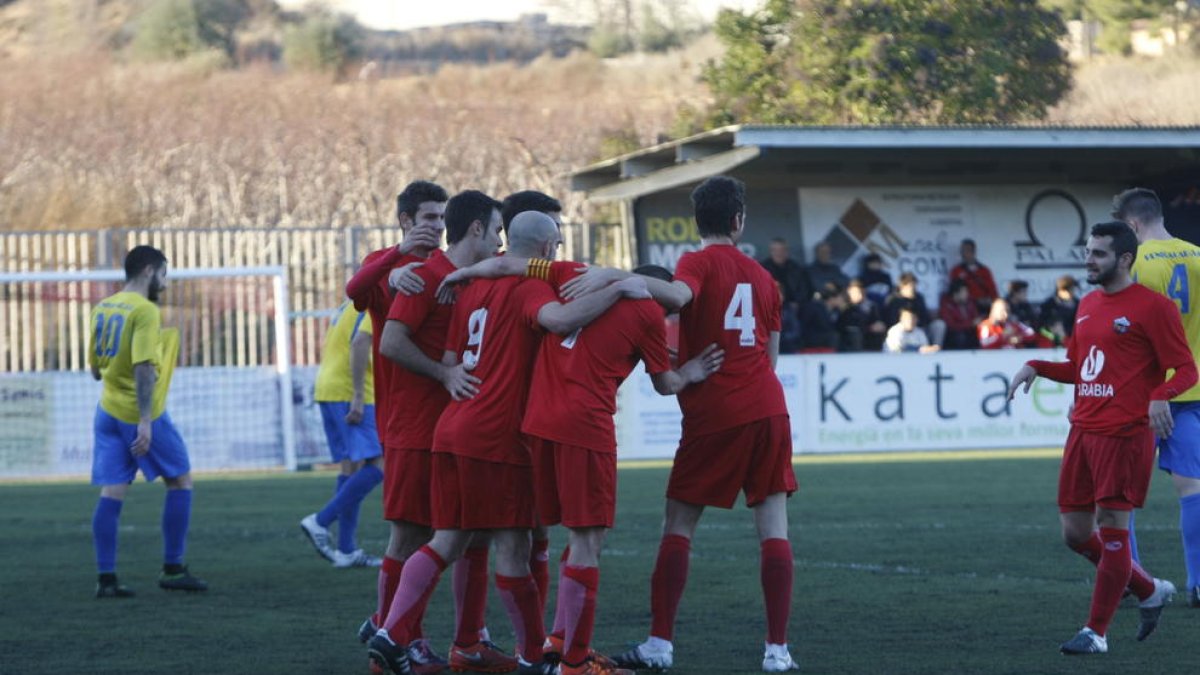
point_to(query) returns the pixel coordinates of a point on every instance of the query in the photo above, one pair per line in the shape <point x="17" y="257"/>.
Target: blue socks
<point x="327" y="515"/>
<point x="345" y="505"/>
<point x="341" y="480"/>
<point x="1189" y="529"/>
<point x="1133" y="548"/>
<point x="104" y="533"/>
<point x="176" y="514"/>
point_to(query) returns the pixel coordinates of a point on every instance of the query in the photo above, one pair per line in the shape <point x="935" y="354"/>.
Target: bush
<point x="168" y="31"/>
<point x="322" y="44"/>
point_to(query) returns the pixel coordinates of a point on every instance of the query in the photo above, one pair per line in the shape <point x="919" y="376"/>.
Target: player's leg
<point x="1179" y="455"/>
<point x="577" y="596"/>
<point x="471" y="589"/>
<point x="316" y="525"/>
<point x="519" y="593"/>
<point x="1188" y="489"/>
<point x="539" y="560"/>
<point x="364" y="454"/>
<point x="168" y="458"/>
<point x="113" y="469"/>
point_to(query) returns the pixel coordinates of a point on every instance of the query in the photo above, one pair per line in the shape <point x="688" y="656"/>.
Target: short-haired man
<point x="981" y="285"/>
<point x="482" y="473"/>
<point x="1171" y="266"/>
<point x="529" y="200"/>
<point x="1126" y="339"/>
<point x="345" y="394"/>
<point x="134" y="358"/>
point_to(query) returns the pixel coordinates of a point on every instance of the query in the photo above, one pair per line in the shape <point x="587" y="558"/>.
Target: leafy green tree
<point x="888" y="61"/>
<point x="322" y="43"/>
<point x="168" y="30"/>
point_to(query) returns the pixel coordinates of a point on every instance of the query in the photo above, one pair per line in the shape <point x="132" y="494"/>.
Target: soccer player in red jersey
<point x="569" y="421"/>
<point x="1126" y="338"/>
<point x="736" y="434"/>
<point x="420" y="210"/>
<point x="482" y="474"/>
<point x="415" y="338"/>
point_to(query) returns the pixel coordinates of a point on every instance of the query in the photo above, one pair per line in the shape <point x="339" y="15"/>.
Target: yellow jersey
<point x="126" y="329"/>
<point x="1172" y="267"/>
<point x="335" y="382"/>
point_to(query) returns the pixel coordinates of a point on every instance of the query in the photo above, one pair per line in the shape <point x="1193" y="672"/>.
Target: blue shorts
<point x="1180" y="454"/>
<point x="114" y="464"/>
<point x="354" y="442"/>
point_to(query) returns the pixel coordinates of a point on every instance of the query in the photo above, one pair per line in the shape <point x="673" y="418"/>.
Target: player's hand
<point x="355" y="416"/>
<point x="704" y="364"/>
<point x="1161" y="421"/>
<point x="141" y="444"/>
<point x="446" y="294"/>
<point x="633" y="287"/>
<point x="461" y="384"/>
<point x="591" y="280"/>
<point x="420" y="236"/>
<point x="1025" y="376"/>
<point x="405" y="279"/>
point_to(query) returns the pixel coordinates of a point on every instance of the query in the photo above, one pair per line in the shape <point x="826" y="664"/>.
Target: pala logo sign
<point x="1056" y="226"/>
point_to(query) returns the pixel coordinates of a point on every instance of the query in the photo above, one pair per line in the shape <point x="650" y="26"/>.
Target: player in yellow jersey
<point x="132" y="428"/>
<point x="345" y="393"/>
<point x="1171" y="266"/>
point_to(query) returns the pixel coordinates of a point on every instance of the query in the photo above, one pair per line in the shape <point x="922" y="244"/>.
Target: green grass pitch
<point x="942" y="566"/>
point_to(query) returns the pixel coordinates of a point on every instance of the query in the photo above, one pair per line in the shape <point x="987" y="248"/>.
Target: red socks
<point x="470" y="595"/>
<point x="389" y="578"/>
<point x="777" y="569"/>
<point x="520" y="596"/>
<point x="539" y="567"/>
<point x="1112" y="576"/>
<point x="1140" y="582"/>
<point x="420" y="577"/>
<point x="667" y="583"/>
<point x="577" y="599"/>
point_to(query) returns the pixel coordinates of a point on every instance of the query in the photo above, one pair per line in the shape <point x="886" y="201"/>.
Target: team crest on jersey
<point x="1121" y="325"/>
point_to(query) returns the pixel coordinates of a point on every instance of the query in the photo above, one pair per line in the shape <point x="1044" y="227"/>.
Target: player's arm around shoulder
<point x="564" y="318"/>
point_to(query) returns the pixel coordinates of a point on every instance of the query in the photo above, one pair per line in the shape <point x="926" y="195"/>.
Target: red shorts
<point x="474" y="494"/>
<point x="575" y="486"/>
<point x="1112" y="471"/>
<point x="756" y="457"/>
<point x="406" y="476"/>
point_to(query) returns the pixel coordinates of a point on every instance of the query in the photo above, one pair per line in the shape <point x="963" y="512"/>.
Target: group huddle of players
<point x="495" y="386"/>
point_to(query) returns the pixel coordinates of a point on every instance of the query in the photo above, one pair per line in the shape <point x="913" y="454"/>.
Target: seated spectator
<point x="790" y="330"/>
<point x="788" y="274"/>
<point x="860" y="324"/>
<point x="823" y="272"/>
<point x="906" y="296"/>
<point x="907" y="336"/>
<point x="875" y="279"/>
<point x="819" y="322"/>
<point x="1019" y="305"/>
<point x="961" y="318"/>
<point x="1001" y="331"/>
<point x="1057" y="316"/>
<point x="981" y="286"/>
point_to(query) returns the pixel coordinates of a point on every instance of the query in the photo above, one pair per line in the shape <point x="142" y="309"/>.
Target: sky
<point x="416" y="13"/>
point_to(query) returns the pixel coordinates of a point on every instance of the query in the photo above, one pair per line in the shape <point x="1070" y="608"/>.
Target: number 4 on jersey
<point x="739" y="315"/>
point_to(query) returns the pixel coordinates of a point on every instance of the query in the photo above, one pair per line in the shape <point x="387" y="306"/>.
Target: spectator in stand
<point x="788" y="274"/>
<point x="1019" y="305"/>
<point x="820" y="322"/>
<point x="907" y="336"/>
<point x="823" y="271"/>
<point x="961" y="318"/>
<point x="1002" y="331"/>
<point x="790" y="330"/>
<point x="980" y="284"/>
<point x="875" y="280"/>
<point x="860" y="325"/>
<point x="906" y="296"/>
<point x="1057" y="317"/>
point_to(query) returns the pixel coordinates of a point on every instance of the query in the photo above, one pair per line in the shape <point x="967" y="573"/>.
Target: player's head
<point x="529" y="200"/>
<point x="421" y="202"/>
<point x="146" y="264"/>
<point x="966" y="250"/>
<point x="719" y="204"/>
<point x="1138" y="208"/>
<point x="999" y="311"/>
<point x="474" y="218"/>
<point x="1110" y="251"/>
<point x="655" y="272"/>
<point x="533" y="234"/>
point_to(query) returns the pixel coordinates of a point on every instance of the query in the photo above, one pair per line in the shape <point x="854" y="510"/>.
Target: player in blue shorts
<point x="345" y="393"/>
<point x="134" y="358"/>
<point x="1171" y="266"/>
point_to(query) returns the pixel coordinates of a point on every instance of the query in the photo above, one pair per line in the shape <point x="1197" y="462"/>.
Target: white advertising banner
<point x="1031" y="232"/>
<point x="880" y="402"/>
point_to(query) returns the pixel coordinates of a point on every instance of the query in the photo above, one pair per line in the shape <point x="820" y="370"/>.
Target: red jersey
<point x="422" y="400"/>
<point x="979" y="281"/>
<point x="1118" y="357"/>
<point x="369" y="290"/>
<point x="574" y="392"/>
<point x="736" y="304"/>
<point x="494" y="326"/>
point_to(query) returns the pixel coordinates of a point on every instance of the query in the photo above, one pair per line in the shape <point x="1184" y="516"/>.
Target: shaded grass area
<point x="922" y="567"/>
